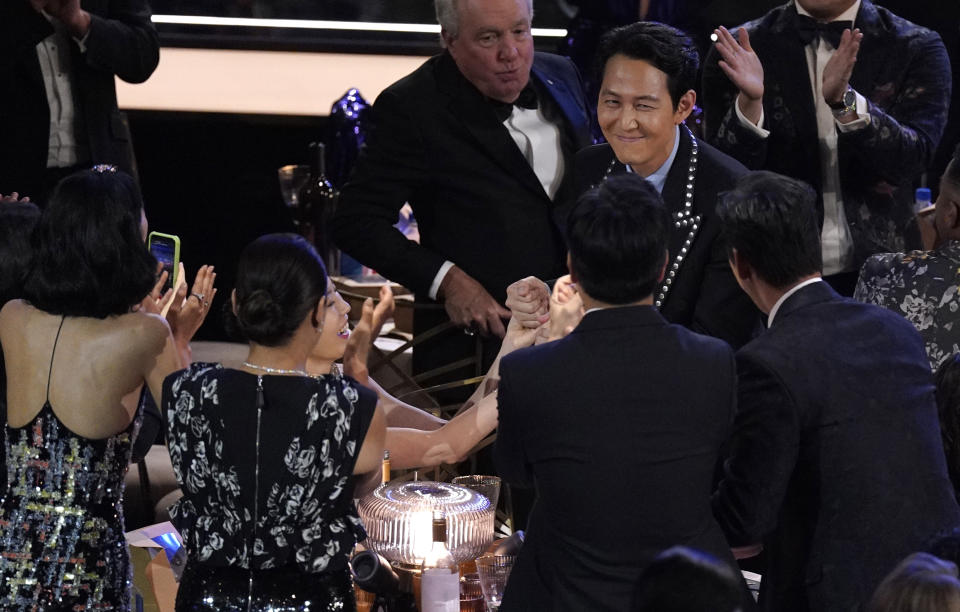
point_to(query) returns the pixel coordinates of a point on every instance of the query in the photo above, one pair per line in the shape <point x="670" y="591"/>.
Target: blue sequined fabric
<point x="61" y="520"/>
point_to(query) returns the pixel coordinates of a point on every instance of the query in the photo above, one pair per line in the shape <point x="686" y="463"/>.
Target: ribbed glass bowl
<point x="398" y="518"/>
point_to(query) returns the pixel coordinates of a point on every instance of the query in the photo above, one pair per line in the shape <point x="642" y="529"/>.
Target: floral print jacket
<point x="295" y="507"/>
<point x="924" y="287"/>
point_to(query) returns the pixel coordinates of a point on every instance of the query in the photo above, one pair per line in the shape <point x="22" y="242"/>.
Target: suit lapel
<point x="789" y="90"/>
<point x="468" y="105"/>
<point x="577" y="129"/>
<point x="685" y="225"/>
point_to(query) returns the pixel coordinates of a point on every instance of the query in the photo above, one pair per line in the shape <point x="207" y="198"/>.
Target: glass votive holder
<point x="488" y="486"/>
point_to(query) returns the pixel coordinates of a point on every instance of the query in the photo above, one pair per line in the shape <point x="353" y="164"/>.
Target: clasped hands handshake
<point x="536" y="310"/>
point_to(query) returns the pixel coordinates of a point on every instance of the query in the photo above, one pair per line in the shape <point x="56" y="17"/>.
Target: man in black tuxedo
<point x="649" y="71"/>
<point x="605" y="423"/>
<point x="58" y="60"/>
<point x="835" y="461"/>
<point x="479" y="141"/>
<point x="841" y="94"/>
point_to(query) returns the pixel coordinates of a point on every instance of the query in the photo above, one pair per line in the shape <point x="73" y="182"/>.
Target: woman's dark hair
<point x="17" y="220"/>
<point x="681" y="579"/>
<point x="948" y="407"/>
<point x="89" y="256"/>
<point x="280" y="280"/>
<point x="771" y="220"/>
<point x="920" y="583"/>
<point x="617" y="239"/>
<point x="664" y="47"/>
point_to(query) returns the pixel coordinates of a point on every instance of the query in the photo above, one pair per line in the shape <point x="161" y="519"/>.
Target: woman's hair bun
<point x="260" y="316"/>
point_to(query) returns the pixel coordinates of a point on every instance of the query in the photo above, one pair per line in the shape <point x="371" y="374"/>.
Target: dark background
<point x="211" y="178"/>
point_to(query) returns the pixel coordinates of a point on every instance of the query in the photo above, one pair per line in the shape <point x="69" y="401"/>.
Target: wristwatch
<point x="846" y="104"/>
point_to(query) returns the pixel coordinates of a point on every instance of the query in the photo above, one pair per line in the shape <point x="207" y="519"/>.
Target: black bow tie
<point x="526" y="99"/>
<point x="809" y="29"/>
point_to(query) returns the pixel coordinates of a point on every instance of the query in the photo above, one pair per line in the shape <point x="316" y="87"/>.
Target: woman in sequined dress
<point x="76" y="355"/>
<point x="265" y="454"/>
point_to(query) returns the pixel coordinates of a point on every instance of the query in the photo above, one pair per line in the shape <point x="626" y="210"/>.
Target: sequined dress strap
<point x="52" y="355"/>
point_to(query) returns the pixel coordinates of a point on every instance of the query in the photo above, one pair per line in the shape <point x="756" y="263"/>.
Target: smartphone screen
<point x="166" y="248"/>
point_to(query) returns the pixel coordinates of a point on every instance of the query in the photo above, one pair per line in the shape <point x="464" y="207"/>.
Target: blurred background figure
<point x="921" y="583"/>
<point x="682" y="579"/>
<point x="58" y="61"/>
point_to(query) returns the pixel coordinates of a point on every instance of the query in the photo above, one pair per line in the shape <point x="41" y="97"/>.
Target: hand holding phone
<point x="166" y="248"/>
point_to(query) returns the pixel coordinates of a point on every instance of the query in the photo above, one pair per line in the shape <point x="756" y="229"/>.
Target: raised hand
<point x="742" y="66"/>
<point x="469" y="305"/>
<point x="529" y="301"/>
<point x="566" y="310"/>
<point x="364" y="333"/>
<point x="67" y="12"/>
<point x="837" y="71"/>
<point x="13" y="197"/>
<point x="187" y="312"/>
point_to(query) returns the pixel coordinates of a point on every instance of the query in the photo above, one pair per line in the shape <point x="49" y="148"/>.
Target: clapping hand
<point x="837" y="71"/>
<point x="187" y="312"/>
<point x="13" y="197"/>
<point x="365" y="332"/>
<point x="67" y="12"/>
<point x="742" y="66"/>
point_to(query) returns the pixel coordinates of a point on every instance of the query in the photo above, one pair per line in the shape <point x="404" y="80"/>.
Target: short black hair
<point x="682" y="579"/>
<point x="17" y="220"/>
<point x="666" y="48"/>
<point x="617" y="236"/>
<point x="771" y="220"/>
<point x="280" y="280"/>
<point x="89" y="256"/>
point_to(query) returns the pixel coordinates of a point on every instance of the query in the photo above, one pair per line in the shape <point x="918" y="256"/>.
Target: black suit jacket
<point x="836" y="461"/>
<point x="122" y="42"/>
<point x="904" y="73"/>
<point x="621" y="449"/>
<point x="704" y="296"/>
<point x="437" y="143"/>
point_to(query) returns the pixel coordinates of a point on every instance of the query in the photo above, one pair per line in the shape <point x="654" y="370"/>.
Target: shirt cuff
<point x="441" y="274"/>
<point x="756" y="129"/>
<point x="862" y="120"/>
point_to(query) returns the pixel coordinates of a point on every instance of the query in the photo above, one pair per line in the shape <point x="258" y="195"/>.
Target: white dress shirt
<point x="56" y="66"/>
<point x="540" y="142"/>
<point x="835" y="238"/>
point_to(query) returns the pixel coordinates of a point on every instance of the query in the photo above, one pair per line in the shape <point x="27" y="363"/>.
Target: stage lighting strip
<point x="314" y="24"/>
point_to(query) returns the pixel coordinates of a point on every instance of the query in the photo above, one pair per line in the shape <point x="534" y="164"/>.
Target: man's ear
<point x="685" y="106"/>
<point x="573" y="275"/>
<point x="663" y="268"/>
<point x="951" y="215"/>
<point x="233" y="301"/>
<point x="742" y="270"/>
<point x="446" y="38"/>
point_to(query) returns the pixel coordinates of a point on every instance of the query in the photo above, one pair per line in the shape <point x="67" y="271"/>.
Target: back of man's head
<point x="664" y="47"/>
<point x="617" y="236"/>
<point x="681" y="579"/>
<point x="771" y="221"/>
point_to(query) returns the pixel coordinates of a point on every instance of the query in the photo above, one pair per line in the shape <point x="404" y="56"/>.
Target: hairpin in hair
<point x="105" y="169"/>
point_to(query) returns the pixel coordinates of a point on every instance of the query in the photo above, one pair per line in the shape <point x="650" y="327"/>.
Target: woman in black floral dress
<point x="265" y="454"/>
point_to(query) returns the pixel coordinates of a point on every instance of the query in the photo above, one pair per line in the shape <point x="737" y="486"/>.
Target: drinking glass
<point x="471" y="595"/>
<point x="494" y="572"/>
<point x="488" y="486"/>
<point x="292" y="178"/>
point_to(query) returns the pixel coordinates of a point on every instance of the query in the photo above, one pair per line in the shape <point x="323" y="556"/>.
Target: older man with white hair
<point x="479" y="140"/>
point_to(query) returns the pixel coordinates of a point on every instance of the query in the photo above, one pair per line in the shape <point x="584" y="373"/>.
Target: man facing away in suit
<point x="843" y="95"/>
<point x="648" y="72"/>
<point x="58" y="63"/>
<point x="479" y="141"/>
<point x="835" y="461"/>
<point x="605" y="423"/>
